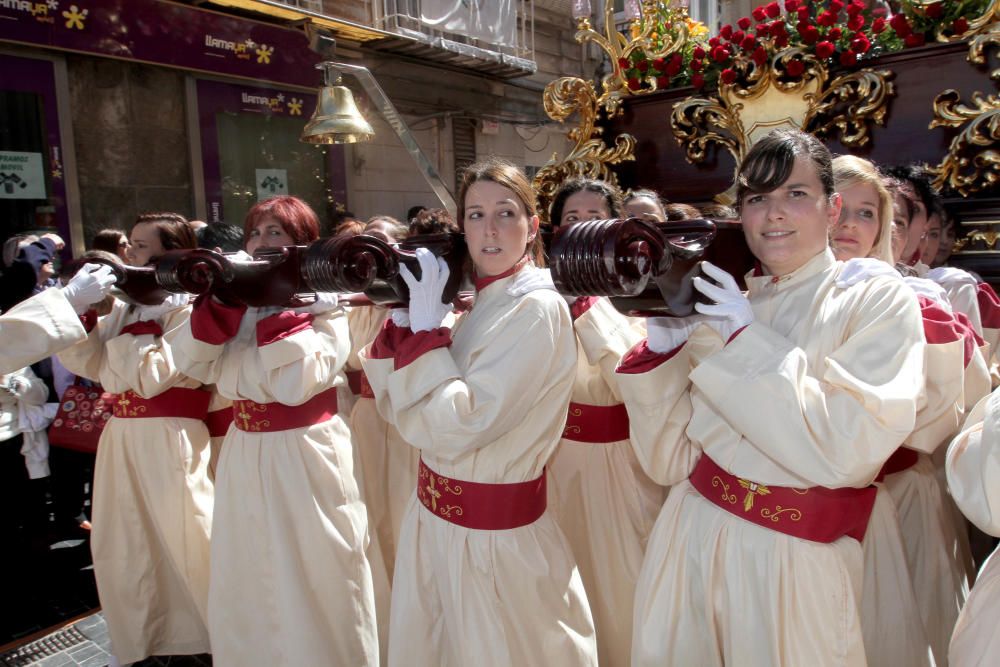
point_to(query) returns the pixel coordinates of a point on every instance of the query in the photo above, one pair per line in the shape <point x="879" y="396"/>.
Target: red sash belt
<point x="818" y="514"/>
<point x="901" y="459"/>
<point x="218" y="422"/>
<point x="596" y="423"/>
<point x="481" y="506"/>
<point x="354" y="380"/>
<point x="365" y="389"/>
<point x="176" y="402"/>
<point x="269" y="417"/>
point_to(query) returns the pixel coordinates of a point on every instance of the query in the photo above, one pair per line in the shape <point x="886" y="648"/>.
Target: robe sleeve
<point x="144" y="362"/>
<point x="438" y="408"/>
<point x="86" y="358"/>
<point x="37" y="328"/>
<point x="973" y="466"/>
<point x="965" y="299"/>
<point x="302" y="356"/>
<point x="940" y="410"/>
<point x="605" y="335"/>
<point x="834" y="425"/>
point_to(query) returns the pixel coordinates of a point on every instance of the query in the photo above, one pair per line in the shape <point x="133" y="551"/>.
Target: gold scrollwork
<point x="972" y="163"/>
<point x="866" y="94"/>
<point x="978" y="46"/>
<point x="447" y="510"/>
<point x="794" y="513"/>
<point x="726" y="496"/>
<point x="988" y="237"/>
<point x="983" y="22"/>
<point x="590" y="156"/>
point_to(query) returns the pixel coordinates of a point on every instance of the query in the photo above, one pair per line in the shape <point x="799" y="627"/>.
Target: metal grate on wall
<point x="463" y="139"/>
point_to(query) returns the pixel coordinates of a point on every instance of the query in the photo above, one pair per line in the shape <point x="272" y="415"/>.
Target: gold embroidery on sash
<point x="753" y="489"/>
<point x="726" y="496"/>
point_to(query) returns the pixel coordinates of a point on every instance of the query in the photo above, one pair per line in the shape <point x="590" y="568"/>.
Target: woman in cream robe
<point x="290" y="581"/>
<point x="973" y="468"/>
<point x="152" y="501"/>
<point x="602" y="499"/>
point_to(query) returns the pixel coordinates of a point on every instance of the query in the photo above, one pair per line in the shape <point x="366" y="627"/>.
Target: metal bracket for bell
<point x="336" y="119"/>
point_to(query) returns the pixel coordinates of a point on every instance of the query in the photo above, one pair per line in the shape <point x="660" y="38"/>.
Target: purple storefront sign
<point x="29" y="75"/>
<point x="164" y="33"/>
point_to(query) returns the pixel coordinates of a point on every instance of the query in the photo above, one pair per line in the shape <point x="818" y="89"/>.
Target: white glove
<point x="15" y="385"/>
<point x="400" y="317"/>
<point x="531" y="278"/>
<point x="664" y="334"/>
<point x="948" y="275"/>
<point x="426" y="310"/>
<point x="90" y="284"/>
<point x="929" y="289"/>
<point x="731" y="310"/>
<point x="324" y="303"/>
<point x="170" y="304"/>
<point x="860" y="269"/>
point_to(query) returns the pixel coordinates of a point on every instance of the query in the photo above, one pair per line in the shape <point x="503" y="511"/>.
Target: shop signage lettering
<point x="164" y="33"/>
<point x="21" y="175"/>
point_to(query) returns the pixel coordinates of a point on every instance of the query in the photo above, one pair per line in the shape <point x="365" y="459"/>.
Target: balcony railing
<point x="496" y="36"/>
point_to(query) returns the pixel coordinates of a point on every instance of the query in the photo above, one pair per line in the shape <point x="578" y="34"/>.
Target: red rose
<point x="726" y="32"/>
<point x="810" y="35"/>
<point x="762" y="30"/>
<point x="714" y="42"/>
<point x="634" y="84"/>
<point x="738" y="36"/>
<point x="728" y="75"/>
<point x="960" y="25"/>
<point x="824" y="50"/>
<point x="848" y="58"/>
<point x="836" y="6"/>
<point x="749" y="43"/>
<point x="795" y="68"/>
<point x="878" y="26"/>
<point x="696" y="65"/>
<point x="720" y="54"/>
<point x="791" y="5"/>
<point x="935" y="11"/>
<point x="674" y="67"/>
<point x="900" y="25"/>
<point x="778" y="28"/>
<point x="698" y="53"/>
<point x="856" y="22"/>
<point x="835" y="34"/>
<point x="759" y="14"/>
<point x="803" y="13"/>
<point x="853" y="9"/>
<point x="642" y="65"/>
<point x="914" y="39"/>
<point x="744" y="23"/>
<point x="860" y="43"/>
<point x="662" y="82"/>
<point x="826" y="18"/>
<point x="697" y="80"/>
<point x="659" y="64"/>
<point x="773" y="10"/>
<point x="781" y="41"/>
<point x="759" y="56"/>
<point x="624" y="63"/>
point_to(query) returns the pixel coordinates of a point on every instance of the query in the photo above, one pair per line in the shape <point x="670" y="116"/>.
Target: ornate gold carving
<point x="978" y="46"/>
<point x="988" y="237"/>
<point x="972" y="162"/>
<point x="740" y="113"/>
<point x="590" y="156"/>
<point x="984" y="22"/>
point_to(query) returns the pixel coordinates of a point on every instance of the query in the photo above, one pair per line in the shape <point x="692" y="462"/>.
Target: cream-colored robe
<point x="290" y="582"/>
<point x="601" y="498"/>
<point x="818" y="391"/>
<point x="152" y="502"/>
<point x="488" y="409"/>
<point x="37" y="328"/>
<point x="973" y="468"/>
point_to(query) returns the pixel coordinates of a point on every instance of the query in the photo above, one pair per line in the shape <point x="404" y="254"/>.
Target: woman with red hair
<point x="290" y="581"/>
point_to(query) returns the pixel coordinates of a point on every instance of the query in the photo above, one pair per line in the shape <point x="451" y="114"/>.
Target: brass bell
<point x="336" y="119"/>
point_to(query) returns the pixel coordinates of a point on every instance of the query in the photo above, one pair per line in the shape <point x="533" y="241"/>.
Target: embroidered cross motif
<point x="753" y="489"/>
<point x="434" y="493"/>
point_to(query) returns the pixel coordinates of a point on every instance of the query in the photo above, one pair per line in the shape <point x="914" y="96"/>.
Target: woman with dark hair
<point x="644" y="204"/>
<point x="290" y="581"/>
<point x="386" y="228"/>
<point x="152" y="507"/>
<point x="769" y="414"/>
<point x="604" y="503"/>
<point x="483" y="574"/>
<point x="433" y="221"/>
<point x="111" y="240"/>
